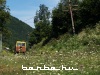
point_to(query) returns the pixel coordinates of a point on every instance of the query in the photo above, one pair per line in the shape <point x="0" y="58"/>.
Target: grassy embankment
<point x="81" y="51"/>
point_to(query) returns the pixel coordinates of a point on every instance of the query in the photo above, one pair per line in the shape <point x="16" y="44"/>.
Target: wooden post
<point x="0" y="42"/>
<point x="70" y="7"/>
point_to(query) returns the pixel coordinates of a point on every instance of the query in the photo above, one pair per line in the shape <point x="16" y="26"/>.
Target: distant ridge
<point x="19" y="30"/>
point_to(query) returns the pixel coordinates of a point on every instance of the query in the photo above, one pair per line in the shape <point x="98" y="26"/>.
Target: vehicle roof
<point x="20" y="42"/>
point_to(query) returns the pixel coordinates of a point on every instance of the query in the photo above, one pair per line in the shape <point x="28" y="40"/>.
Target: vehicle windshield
<point x="23" y="44"/>
<point x="18" y="44"/>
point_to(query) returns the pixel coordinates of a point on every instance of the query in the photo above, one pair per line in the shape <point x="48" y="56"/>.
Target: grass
<point x="81" y="51"/>
<point x="87" y="40"/>
<point x="87" y="63"/>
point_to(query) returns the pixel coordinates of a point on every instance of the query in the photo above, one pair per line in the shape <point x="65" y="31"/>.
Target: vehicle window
<point x="23" y="44"/>
<point x="18" y="44"/>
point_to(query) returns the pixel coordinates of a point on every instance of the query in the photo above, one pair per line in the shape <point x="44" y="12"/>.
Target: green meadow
<point x="81" y="51"/>
<point x="87" y="63"/>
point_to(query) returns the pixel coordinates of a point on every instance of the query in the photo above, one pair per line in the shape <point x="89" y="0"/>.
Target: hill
<point x="81" y="51"/>
<point x="18" y="31"/>
<point x="87" y="40"/>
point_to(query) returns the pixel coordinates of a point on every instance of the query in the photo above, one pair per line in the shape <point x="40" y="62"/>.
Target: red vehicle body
<point x="20" y="47"/>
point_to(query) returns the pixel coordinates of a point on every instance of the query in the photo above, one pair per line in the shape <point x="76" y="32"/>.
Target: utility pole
<point x="71" y="13"/>
<point x="73" y="26"/>
<point x="0" y="41"/>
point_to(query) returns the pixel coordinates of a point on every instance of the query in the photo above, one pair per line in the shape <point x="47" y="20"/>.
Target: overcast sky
<point x="25" y="9"/>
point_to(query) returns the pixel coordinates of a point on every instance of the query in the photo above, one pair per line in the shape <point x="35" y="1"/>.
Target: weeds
<point x="81" y="51"/>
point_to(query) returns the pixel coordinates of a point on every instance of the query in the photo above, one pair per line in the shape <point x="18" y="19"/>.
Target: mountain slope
<point x="87" y="40"/>
<point x="19" y="31"/>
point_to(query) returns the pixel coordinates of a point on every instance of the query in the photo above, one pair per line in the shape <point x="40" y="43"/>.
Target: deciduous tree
<point x="42" y="25"/>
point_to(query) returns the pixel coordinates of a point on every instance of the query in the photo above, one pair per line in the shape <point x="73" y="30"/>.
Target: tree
<point x="42" y="15"/>
<point x="89" y="14"/>
<point x="4" y="14"/>
<point x="42" y="25"/>
<point x="42" y="21"/>
<point x="61" y="21"/>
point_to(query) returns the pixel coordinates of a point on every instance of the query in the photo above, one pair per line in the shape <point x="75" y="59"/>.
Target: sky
<point x="25" y="10"/>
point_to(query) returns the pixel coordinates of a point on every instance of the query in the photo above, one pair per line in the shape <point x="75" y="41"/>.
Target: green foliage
<point x="87" y="40"/>
<point x="4" y="14"/>
<point x="18" y="30"/>
<point x="61" y="21"/>
<point x="42" y="25"/>
<point x="89" y="14"/>
<point x="4" y="18"/>
<point x="42" y="15"/>
<point x="86" y="15"/>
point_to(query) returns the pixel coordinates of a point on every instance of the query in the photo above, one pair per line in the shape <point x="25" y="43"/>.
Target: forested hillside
<point x="17" y="30"/>
<point x="85" y="15"/>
